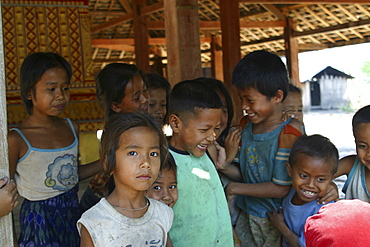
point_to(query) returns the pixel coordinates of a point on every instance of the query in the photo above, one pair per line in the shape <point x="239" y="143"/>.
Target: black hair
<point x="361" y="116"/>
<point x="32" y="69"/>
<point x="262" y="70"/>
<point x="315" y="146"/>
<point x="111" y="83"/>
<point x="155" y="81"/>
<point x="220" y="88"/>
<point x="187" y="97"/>
<point x="170" y="164"/>
<point x="110" y="140"/>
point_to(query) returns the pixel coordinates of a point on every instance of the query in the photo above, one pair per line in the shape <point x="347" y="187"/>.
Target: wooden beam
<point x="305" y="1"/>
<point x="273" y="10"/>
<point x="230" y="28"/>
<point x="129" y="16"/>
<point x="291" y="52"/>
<point x="216" y="58"/>
<point x="141" y="36"/>
<point x="108" y="43"/>
<point x="216" y="25"/>
<point x="183" y="40"/>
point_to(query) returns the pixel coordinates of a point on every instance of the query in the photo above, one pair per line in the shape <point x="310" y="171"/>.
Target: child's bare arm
<point x="331" y="195"/>
<point x="169" y="241"/>
<point x="345" y="165"/>
<point x="231" y="171"/>
<point x="277" y="220"/>
<point x="86" y="240"/>
<point x="13" y="152"/>
<point x="89" y="170"/>
<point x="261" y="190"/>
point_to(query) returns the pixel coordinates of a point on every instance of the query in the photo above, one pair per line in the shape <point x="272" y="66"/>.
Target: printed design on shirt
<point x="62" y="173"/>
<point x="152" y="243"/>
<point x="252" y="155"/>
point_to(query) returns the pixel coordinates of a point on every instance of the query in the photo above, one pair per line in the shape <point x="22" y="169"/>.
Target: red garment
<point x="344" y="223"/>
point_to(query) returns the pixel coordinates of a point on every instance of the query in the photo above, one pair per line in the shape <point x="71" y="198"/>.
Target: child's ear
<point x="115" y="107"/>
<point x="279" y="96"/>
<point x="289" y="168"/>
<point x="29" y="96"/>
<point x="174" y="122"/>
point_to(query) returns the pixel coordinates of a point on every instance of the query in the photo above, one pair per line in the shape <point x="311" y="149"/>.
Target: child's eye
<point x="136" y="99"/>
<point x="132" y="153"/>
<point x="321" y="180"/>
<point x="154" y="154"/>
<point x="361" y="145"/>
<point x="66" y="88"/>
<point x="51" y="89"/>
<point x="173" y="187"/>
<point x="164" y="105"/>
<point x="157" y="187"/>
<point x="151" y="105"/>
<point x="303" y="175"/>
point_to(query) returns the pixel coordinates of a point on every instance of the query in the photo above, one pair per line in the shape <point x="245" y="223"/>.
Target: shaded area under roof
<point x="331" y="71"/>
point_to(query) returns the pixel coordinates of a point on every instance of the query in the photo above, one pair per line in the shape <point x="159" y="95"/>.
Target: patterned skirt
<point x="51" y="222"/>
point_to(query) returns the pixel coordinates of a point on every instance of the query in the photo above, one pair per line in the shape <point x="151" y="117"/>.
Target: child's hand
<point x="232" y="141"/>
<point x="331" y="195"/>
<point x="276" y="218"/>
<point x="8" y="195"/>
<point x="221" y="157"/>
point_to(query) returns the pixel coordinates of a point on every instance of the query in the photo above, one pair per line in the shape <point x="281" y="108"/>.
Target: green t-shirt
<point x="202" y="216"/>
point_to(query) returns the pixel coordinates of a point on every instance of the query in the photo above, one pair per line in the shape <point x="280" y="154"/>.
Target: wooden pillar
<point x="6" y="225"/>
<point x="216" y="58"/>
<point x="291" y="52"/>
<point x="230" y="28"/>
<point x="141" y="36"/>
<point x="183" y="40"/>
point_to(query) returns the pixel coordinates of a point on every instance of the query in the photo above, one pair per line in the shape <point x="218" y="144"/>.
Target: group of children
<point x="150" y="192"/>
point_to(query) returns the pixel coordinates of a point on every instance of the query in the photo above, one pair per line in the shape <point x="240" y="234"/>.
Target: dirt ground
<point x="334" y="124"/>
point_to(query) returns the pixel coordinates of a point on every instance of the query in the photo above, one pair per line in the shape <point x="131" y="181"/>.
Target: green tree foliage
<point x="366" y="69"/>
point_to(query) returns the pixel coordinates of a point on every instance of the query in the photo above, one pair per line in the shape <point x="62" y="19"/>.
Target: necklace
<point x="134" y="209"/>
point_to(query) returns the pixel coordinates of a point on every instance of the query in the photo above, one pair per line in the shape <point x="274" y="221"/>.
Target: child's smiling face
<point x="164" y="189"/>
<point x="311" y="177"/>
<point x="362" y="140"/>
<point x="197" y="132"/>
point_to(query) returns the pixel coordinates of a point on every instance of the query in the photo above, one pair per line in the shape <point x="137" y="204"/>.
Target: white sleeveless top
<point x="108" y="227"/>
<point x="45" y="173"/>
<point x="355" y="186"/>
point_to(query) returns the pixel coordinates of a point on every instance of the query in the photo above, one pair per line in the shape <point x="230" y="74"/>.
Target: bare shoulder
<point x="76" y="126"/>
<point x="296" y="124"/>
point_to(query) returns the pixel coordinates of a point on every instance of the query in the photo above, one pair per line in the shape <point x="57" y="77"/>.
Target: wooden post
<point x="291" y="52"/>
<point x="183" y="40"/>
<point x="230" y="28"/>
<point x="141" y="36"/>
<point x="6" y="225"/>
<point x="216" y="58"/>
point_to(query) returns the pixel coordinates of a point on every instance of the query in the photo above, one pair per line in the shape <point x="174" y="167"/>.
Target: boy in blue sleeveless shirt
<point x="262" y="83"/>
<point x="201" y="213"/>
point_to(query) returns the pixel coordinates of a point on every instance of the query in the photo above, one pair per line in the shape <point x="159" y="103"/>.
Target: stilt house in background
<point x="326" y="90"/>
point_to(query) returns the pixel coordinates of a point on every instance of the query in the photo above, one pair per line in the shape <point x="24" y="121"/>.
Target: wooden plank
<point x="216" y="25"/>
<point x="6" y="225"/>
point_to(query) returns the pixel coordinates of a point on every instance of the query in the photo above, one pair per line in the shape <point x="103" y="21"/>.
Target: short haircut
<point x="110" y="140"/>
<point x="220" y="88"/>
<point x="361" y="116"/>
<point x="32" y="69"/>
<point x="315" y="146"/>
<point x="263" y="71"/>
<point x="188" y="97"/>
<point x="111" y="84"/>
<point x="294" y="89"/>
